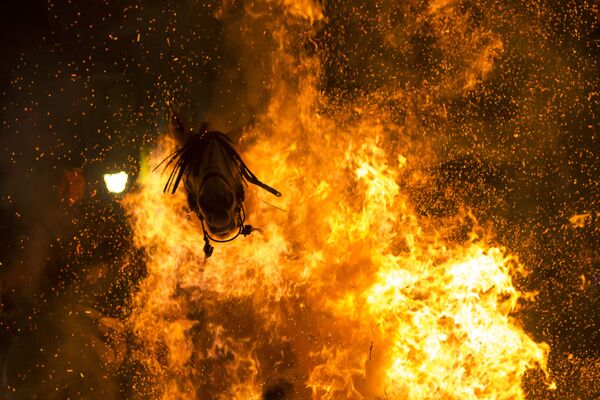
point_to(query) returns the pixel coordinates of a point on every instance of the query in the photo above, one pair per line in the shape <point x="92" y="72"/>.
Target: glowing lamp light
<point x="116" y="183"/>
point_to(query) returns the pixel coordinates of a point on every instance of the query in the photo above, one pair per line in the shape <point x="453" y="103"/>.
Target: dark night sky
<point x="81" y="95"/>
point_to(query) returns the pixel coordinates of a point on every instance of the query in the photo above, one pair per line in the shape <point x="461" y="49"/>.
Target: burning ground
<point x="436" y="238"/>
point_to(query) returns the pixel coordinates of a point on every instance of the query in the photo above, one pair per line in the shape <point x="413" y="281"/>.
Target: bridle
<point x="243" y="230"/>
<point x="187" y="160"/>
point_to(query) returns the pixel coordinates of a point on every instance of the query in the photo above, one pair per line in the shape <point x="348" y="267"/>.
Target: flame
<point x="347" y="292"/>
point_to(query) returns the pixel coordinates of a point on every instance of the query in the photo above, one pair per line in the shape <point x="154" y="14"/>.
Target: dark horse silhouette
<point x="214" y="176"/>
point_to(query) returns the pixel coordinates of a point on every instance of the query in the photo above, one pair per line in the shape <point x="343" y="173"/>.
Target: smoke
<point x="503" y="96"/>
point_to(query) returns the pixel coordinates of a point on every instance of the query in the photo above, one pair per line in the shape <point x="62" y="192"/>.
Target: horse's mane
<point x="188" y="158"/>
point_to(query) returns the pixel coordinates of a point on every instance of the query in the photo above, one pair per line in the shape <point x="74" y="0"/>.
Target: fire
<point x="446" y="323"/>
<point x="347" y="292"/>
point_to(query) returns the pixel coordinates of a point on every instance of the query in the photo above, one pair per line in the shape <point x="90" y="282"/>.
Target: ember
<point x="437" y="235"/>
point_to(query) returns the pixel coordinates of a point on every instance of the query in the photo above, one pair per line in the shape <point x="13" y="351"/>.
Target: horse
<point x="214" y="176"/>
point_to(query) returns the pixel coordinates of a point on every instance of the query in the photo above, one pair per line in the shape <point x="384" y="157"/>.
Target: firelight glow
<point x="115" y="183"/>
<point x="355" y="292"/>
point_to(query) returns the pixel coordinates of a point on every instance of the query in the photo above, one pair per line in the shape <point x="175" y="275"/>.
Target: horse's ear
<point x="177" y="127"/>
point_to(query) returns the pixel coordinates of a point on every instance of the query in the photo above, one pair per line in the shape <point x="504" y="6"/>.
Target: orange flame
<point x="346" y="292"/>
